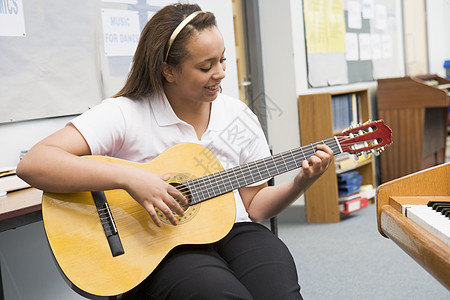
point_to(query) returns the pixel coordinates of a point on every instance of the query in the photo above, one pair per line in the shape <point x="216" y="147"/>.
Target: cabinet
<point x="316" y="123"/>
<point x="416" y="109"/>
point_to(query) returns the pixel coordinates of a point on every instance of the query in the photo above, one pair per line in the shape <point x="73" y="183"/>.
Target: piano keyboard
<point x="433" y="217"/>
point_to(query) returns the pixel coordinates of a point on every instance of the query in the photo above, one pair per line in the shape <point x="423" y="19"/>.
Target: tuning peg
<point x="380" y="149"/>
<point x="353" y="125"/>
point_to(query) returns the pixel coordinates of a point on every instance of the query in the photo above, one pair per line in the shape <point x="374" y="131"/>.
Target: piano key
<point x="437" y="203"/>
<point x="440" y="206"/>
<point x="430" y="220"/>
<point x="445" y="210"/>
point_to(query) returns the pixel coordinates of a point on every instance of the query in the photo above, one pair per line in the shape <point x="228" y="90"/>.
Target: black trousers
<point x="249" y="263"/>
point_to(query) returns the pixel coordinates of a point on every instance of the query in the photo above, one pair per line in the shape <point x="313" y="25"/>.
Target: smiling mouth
<point x="214" y="87"/>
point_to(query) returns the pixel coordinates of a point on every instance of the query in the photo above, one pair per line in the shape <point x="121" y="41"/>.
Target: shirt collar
<point x="165" y="116"/>
<point x="163" y="112"/>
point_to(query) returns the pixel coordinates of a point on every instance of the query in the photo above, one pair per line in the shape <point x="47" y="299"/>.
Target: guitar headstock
<point x="371" y="136"/>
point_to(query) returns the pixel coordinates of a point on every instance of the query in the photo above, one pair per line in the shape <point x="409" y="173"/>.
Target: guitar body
<point x="78" y="241"/>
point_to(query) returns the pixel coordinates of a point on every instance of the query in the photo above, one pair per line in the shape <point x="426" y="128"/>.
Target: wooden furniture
<point x="20" y="208"/>
<point x="417" y="115"/>
<point x="316" y="123"/>
<point x="418" y="188"/>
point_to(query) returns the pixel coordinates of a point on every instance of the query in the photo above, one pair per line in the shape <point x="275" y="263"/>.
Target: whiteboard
<point x="54" y="69"/>
<point x="61" y="67"/>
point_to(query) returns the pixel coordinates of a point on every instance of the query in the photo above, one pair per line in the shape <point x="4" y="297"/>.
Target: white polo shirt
<point x="140" y="130"/>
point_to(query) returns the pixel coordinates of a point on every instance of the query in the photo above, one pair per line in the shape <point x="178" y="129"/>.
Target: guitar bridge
<point x="107" y="221"/>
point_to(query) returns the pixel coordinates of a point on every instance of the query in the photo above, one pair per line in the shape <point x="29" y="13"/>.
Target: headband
<point x="178" y="30"/>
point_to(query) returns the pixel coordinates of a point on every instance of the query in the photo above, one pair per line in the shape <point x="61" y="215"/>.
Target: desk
<point x="20" y="208"/>
<point x="17" y="209"/>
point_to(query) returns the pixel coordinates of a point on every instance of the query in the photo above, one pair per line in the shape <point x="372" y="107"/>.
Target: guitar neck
<point x="210" y="186"/>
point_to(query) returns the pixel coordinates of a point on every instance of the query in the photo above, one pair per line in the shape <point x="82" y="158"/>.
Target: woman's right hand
<point x="153" y="192"/>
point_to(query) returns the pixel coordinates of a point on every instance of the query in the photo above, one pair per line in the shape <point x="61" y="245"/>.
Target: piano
<point x="400" y="218"/>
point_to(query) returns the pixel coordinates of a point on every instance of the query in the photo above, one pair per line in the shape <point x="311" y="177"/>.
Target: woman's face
<point x="199" y="76"/>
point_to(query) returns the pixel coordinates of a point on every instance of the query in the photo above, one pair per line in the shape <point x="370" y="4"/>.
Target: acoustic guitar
<point x="105" y="243"/>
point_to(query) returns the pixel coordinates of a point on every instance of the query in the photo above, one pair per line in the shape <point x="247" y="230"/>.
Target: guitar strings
<point x="206" y="190"/>
<point x="289" y="162"/>
<point x="289" y="159"/>
<point x="204" y="186"/>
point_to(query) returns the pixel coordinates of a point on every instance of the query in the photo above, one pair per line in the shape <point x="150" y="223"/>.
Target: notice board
<point x="350" y="41"/>
<point x="55" y="59"/>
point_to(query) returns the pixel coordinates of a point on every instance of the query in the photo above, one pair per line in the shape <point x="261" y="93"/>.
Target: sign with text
<point x="12" y="21"/>
<point x="120" y="31"/>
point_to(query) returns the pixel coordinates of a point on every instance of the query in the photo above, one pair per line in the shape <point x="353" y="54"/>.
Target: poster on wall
<point x="325" y="42"/>
<point x="12" y="21"/>
<point x="350" y="41"/>
<point x="121" y="31"/>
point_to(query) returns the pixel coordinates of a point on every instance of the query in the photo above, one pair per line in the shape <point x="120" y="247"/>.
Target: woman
<point x="172" y="96"/>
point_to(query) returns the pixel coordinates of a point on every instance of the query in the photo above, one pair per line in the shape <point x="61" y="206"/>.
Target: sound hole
<point x="189" y="211"/>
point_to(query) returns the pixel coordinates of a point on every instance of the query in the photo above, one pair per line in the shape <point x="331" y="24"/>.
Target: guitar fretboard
<point x="213" y="185"/>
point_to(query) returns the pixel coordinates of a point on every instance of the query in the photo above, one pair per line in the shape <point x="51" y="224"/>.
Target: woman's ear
<point x="168" y="72"/>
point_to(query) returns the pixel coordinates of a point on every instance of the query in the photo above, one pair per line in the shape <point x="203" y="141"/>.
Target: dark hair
<point x="145" y="77"/>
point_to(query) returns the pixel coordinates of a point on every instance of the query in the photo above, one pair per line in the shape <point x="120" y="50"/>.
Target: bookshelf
<point x="416" y="109"/>
<point x="317" y="123"/>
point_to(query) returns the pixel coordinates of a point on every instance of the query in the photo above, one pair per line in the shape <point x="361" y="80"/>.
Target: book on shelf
<point x="352" y="205"/>
<point x="362" y="158"/>
<point x="348" y="175"/>
<point x="346" y="110"/>
<point x="345" y="162"/>
<point x="368" y="191"/>
<point x="345" y="190"/>
<point x="365" y="191"/>
<point x="344" y="198"/>
<point x="353" y="180"/>
<point x="349" y="183"/>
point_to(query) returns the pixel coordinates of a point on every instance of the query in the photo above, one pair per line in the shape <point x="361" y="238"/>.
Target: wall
<point x="438" y="22"/>
<point x="285" y="71"/>
<point x="279" y="76"/>
<point x="19" y="136"/>
<point x="414" y="31"/>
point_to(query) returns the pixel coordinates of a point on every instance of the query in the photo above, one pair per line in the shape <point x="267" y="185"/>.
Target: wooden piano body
<point x="418" y="188"/>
